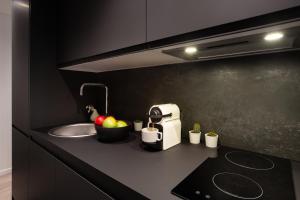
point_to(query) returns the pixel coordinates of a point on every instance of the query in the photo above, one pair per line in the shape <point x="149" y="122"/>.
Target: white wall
<point x="5" y="88"/>
<point x="5" y="6"/>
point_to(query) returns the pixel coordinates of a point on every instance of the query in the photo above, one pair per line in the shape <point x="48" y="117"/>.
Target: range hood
<point x="260" y="40"/>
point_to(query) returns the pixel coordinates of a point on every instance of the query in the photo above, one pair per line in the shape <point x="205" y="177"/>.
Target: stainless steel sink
<point x="74" y="130"/>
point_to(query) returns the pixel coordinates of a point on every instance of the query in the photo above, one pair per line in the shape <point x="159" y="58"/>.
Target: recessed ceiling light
<point x="274" y="36"/>
<point x="190" y="50"/>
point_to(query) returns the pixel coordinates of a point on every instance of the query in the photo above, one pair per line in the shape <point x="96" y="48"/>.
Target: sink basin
<point x="74" y="130"/>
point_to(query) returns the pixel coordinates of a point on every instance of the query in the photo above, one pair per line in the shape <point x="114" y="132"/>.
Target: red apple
<point x="99" y="120"/>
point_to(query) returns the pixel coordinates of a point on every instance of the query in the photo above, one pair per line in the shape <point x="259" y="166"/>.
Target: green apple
<point x="121" y="123"/>
<point x="109" y="122"/>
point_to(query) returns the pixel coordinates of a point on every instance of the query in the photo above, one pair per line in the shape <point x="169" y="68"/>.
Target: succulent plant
<point x="212" y="134"/>
<point x="196" y="127"/>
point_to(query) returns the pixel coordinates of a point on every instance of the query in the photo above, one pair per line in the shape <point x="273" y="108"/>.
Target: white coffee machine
<point x="166" y="118"/>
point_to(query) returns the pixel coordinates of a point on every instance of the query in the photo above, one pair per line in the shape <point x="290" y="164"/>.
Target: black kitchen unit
<point x="48" y="35"/>
<point x="20" y="101"/>
<point x="174" y="17"/>
<point x="95" y="27"/>
<point x="20" y="67"/>
<point x="36" y="174"/>
<point x="52" y="179"/>
<point x="237" y="174"/>
<point x="20" y="163"/>
<point x="139" y="25"/>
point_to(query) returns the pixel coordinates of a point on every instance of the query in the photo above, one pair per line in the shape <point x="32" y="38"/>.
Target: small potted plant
<point x="211" y="139"/>
<point x="195" y="134"/>
<point x="138" y="125"/>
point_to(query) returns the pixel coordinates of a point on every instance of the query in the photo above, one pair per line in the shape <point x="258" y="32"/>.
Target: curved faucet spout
<point x="97" y="85"/>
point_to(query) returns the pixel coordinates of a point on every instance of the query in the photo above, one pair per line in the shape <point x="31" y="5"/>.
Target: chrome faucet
<point x="98" y="85"/>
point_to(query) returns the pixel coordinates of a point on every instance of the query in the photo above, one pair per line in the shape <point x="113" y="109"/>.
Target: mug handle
<point x="160" y="136"/>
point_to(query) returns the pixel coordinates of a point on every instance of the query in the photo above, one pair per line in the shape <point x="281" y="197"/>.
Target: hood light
<point x="274" y="36"/>
<point x="190" y="50"/>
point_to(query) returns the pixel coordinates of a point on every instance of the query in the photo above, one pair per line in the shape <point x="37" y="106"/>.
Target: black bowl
<point x="112" y="134"/>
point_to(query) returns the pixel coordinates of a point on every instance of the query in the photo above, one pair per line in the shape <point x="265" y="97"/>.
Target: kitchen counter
<point x="126" y="168"/>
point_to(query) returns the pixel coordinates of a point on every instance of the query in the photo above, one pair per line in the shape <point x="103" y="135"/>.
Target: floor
<point x="5" y="187"/>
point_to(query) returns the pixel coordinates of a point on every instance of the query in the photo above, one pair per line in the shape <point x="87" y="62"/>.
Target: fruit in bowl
<point x="112" y="130"/>
<point x="99" y="120"/>
<point x="109" y="122"/>
<point x="121" y="123"/>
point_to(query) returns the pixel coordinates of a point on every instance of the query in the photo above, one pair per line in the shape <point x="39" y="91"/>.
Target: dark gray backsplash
<point x="253" y="102"/>
<point x="55" y="98"/>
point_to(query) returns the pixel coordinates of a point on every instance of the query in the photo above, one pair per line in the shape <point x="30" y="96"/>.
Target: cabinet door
<point x="20" y="64"/>
<point x="173" y="17"/>
<point x="70" y="185"/>
<point x="20" y="165"/>
<point x="41" y="174"/>
<point x="92" y="27"/>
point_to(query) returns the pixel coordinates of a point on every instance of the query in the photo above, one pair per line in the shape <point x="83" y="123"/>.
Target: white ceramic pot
<point x="194" y="137"/>
<point x="211" y="141"/>
<point x="138" y="125"/>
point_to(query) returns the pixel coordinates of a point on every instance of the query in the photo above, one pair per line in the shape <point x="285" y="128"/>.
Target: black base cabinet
<point x="70" y="185"/>
<point x="42" y="174"/>
<point x="20" y="165"/>
<point x="47" y="178"/>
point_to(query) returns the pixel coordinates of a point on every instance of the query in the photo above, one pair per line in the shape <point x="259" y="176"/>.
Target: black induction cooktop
<point x="236" y="174"/>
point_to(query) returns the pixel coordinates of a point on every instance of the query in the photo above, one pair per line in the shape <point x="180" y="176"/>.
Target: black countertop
<point x="130" y="170"/>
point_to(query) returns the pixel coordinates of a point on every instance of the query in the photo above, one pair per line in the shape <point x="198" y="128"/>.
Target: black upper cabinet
<point x="20" y="165"/>
<point x="20" y="65"/>
<point x="174" y="17"/>
<point x="92" y="27"/>
<point x="41" y="173"/>
<point x="70" y="185"/>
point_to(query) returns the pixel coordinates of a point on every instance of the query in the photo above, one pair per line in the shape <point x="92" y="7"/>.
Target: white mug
<point x="151" y="135"/>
